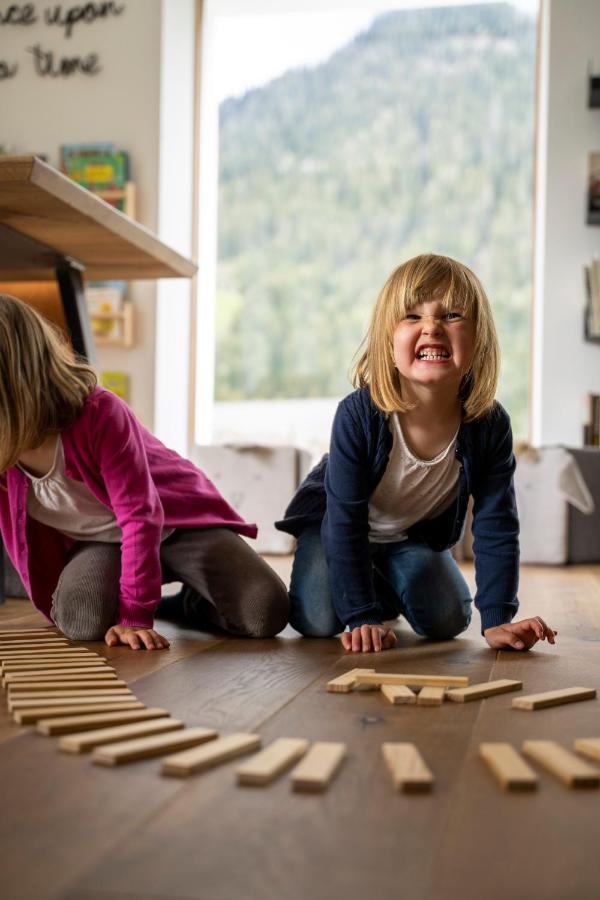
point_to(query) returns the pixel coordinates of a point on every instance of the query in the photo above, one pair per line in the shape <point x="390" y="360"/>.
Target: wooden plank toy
<point x="47" y="643"/>
<point x="200" y="758"/>
<point x="398" y="694"/>
<point x="345" y="683"/>
<point x="40" y="659"/>
<point x="64" y="703"/>
<point x="407" y="767"/>
<point x="431" y="696"/>
<point x="315" y="771"/>
<point x="90" y="721"/>
<point x="29" y="716"/>
<point x="266" y="766"/>
<point x="49" y="665"/>
<point x="56" y="697"/>
<point x="98" y="673"/>
<point x="17" y="688"/>
<point x="84" y="741"/>
<point x="45" y="650"/>
<point x="589" y="747"/>
<point x="485" y="689"/>
<point x="380" y="678"/>
<point x="508" y="766"/>
<point x="568" y="767"/>
<point x="153" y="745"/>
<point x="27" y="633"/>
<point x="554" y="698"/>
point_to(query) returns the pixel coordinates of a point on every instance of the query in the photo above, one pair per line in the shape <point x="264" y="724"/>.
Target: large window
<point x="391" y="132"/>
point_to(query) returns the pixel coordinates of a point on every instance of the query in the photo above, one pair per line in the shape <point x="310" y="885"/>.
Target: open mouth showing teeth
<point x="433" y="354"/>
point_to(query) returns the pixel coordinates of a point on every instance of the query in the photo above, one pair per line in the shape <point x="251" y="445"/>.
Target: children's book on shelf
<point x="592" y="291"/>
<point x="117" y="382"/>
<point x="105" y="301"/>
<point x="101" y="168"/>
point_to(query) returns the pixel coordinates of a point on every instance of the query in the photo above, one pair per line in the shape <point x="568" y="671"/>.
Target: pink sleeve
<point x="119" y="449"/>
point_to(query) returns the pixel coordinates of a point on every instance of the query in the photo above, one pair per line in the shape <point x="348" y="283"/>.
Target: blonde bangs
<point x="43" y="386"/>
<point x="415" y="282"/>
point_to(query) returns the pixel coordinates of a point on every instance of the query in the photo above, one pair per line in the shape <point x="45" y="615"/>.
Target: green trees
<point x="417" y="136"/>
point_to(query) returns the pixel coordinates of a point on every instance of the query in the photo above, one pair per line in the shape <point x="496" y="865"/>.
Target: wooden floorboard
<point x="73" y="831"/>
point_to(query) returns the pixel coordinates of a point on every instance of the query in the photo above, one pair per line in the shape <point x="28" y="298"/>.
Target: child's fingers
<point x="389" y="639"/>
<point x="356" y="640"/>
<point x="376" y="635"/>
<point x="132" y="638"/>
<point x="346" y="639"/>
<point x="365" y="635"/>
<point x="548" y="632"/>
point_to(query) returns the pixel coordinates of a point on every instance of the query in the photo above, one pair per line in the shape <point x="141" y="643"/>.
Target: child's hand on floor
<point x="136" y="638"/>
<point x="519" y="635"/>
<point x="368" y="637"/>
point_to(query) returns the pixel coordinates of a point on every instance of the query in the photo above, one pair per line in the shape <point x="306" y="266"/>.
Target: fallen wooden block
<point x="569" y="768"/>
<point x="47" y="643"/>
<point x="28" y="716"/>
<point x="41" y="659"/>
<point x="589" y="747"/>
<point x="485" y="689"/>
<point x="431" y="696"/>
<point x="380" y="678"/>
<point x="49" y="665"/>
<point x="267" y="765"/>
<point x="113" y="697"/>
<point x="83" y="742"/>
<point x="215" y="753"/>
<point x="17" y="688"/>
<point x="343" y="684"/>
<point x="97" y="673"/>
<point x="508" y="767"/>
<point x="398" y="694"/>
<point x="146" y="747"/>
<point x="75" y="723"/>
<point x="408" y="769"/>
<point x="8" y="634"/>
<point x="45" y="650"/>
<point x="554" y="698"/>
<point x="55" y="698"/>
<point x="316" y="770"/>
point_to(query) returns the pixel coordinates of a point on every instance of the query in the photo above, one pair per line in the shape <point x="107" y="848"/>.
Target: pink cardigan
<point x="145" y="484"/>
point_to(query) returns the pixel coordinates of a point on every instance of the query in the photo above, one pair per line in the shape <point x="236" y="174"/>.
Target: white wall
<point x="565" y="366"/>
<point x="122" y="104"/>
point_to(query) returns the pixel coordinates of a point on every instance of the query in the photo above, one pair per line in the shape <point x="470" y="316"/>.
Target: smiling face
<point x="433" y="346"/>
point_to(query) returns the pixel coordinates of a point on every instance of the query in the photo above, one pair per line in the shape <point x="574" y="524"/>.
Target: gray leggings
<point x="226" y="585"/>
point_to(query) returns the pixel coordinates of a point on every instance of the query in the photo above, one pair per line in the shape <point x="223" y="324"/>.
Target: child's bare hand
<point x="136" y="638"/>
<point x="366" y="638"/>
<point x="519" y="635"/>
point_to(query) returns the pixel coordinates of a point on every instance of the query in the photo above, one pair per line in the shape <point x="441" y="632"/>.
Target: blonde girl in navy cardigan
<point x="96" y="513"/>
<point x="421" y="434"/>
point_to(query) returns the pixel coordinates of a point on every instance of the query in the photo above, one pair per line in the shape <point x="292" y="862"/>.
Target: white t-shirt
<point x="411" y="489"/>
<point x="70" y="507"/>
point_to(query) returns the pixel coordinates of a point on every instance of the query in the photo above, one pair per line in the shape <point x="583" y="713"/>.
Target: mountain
<point x="416" y="136"/>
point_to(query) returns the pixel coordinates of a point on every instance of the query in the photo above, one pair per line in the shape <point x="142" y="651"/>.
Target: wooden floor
<point x="72" y="830"/>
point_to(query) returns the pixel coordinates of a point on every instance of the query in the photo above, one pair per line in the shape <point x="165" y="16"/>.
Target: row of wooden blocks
<point x="73" y="693"/>
<point x="399" y="689"/>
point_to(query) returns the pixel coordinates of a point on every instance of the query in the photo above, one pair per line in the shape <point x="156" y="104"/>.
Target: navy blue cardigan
<point x="336" y="494"/>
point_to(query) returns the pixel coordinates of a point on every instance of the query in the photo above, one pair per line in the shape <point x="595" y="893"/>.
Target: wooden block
<point x="45" y="650"/>
<point x="40" y="659"/>
<point x="50" y="643"/>
<point x="485" y="689"/>
<point x="154" y="745"/>
<point x="554" y="698"/>
<point x="49" y="664"/>
<point x="18" y="634"/>
<point x="343" y="684"/>
<point x="315" y="771"/>
<point x="556" y="759"/>
<point x="17" y="688"/>
<point x="431" y="696"/>
<point x="508" y="767"/>
<point x="589" y="747"/>
<point x="398" y="694"/>
<point x="45" y="703"/>
<point x="94" y="720"/>
<point x="83" y="742"/>
<point x="408" y="769"/>
<point x="55" y="698"/>
<point x="200" y="758"/>
<point x="380" y="678"/>
<point x="27" y="716"/>
<point x="100" y="674"/>
<point x="264" y="767"/>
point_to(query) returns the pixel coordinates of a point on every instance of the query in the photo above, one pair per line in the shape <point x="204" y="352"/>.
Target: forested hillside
<point x="416" y="136"/>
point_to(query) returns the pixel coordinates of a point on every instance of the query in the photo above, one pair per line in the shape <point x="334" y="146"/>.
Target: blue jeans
<point x="423" y="585"/>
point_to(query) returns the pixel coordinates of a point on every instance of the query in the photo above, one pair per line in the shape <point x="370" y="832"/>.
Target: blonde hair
<point x="412" y="283"/>
<point x="42" y="385"/>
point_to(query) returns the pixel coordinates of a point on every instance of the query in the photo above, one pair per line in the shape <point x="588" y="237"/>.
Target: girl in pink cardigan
<point x="96" y="513"/>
